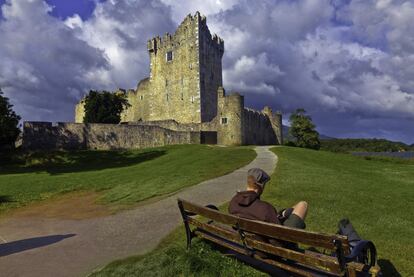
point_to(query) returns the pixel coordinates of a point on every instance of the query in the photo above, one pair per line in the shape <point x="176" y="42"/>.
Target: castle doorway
<point x="208" y="137"/>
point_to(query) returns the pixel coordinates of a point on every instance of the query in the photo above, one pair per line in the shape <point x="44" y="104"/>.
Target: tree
<point x="104" y="107"/>
<point x="303" y="130"/>
<point x="9" y="120"/>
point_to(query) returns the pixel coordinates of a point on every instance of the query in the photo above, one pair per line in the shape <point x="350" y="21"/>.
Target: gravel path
<point x="57" y="247"/>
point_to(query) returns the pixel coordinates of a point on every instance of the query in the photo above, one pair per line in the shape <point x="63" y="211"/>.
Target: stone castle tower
<point x="185" y="73"/>
<point x="184" y="92"/>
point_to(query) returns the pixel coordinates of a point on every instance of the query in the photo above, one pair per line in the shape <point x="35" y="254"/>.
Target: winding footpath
<point x="58" y="247"/>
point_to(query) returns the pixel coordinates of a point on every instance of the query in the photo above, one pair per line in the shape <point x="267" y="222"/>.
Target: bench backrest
<point x="247" y="230"/>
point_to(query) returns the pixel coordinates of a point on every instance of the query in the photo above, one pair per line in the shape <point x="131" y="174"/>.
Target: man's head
<point x="257" y="179"/>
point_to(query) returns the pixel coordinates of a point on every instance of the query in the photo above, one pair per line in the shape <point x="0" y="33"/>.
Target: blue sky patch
<point x="65" y="9"/>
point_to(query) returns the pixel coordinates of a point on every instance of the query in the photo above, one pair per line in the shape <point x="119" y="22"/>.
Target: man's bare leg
<point x="301" y="209"/>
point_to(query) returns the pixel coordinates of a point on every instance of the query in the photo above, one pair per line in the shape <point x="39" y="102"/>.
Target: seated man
<point x="247" y="204"/>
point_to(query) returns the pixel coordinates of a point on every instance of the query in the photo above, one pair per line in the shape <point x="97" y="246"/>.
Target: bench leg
<point x="351" y="272"/>
<point x="188" y="232"/>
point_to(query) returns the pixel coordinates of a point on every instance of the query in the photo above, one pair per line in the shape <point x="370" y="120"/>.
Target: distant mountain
<point x="287" y="137"/>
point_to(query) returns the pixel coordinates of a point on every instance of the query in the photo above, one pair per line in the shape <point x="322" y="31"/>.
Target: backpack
<point x="362" y="251"/>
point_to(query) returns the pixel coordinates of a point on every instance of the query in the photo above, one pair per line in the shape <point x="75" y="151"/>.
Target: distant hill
<point x="364" y="145"/>
<point x="355" y="145"/>
<point x="287" y="137"/>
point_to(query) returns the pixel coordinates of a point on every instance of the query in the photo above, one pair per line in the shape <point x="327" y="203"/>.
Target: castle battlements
<point x="185" y="86"/>
<point x="190" y="25"/>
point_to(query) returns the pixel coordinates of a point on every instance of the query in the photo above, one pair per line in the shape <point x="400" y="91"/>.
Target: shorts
<point x="294" y="221"/>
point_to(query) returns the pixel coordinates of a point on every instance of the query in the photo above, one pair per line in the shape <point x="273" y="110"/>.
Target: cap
<point x="260" y="176"/>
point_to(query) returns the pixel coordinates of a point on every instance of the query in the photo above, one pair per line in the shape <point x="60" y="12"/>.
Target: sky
<point x="349" y="63"/>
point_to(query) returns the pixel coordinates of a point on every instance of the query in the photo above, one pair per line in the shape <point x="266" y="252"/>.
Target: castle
<point x="183" y="94"/>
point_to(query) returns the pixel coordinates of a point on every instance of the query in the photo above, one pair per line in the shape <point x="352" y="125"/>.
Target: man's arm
<point x="271" y="215"/>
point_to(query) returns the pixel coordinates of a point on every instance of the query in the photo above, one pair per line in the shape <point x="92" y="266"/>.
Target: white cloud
<point x="121" y="29"/>
<point x="207" y="7"/>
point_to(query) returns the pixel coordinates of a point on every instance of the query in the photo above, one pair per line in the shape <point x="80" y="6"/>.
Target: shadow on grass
<point x="388" y="269"/>
<point x="5" y="199"/>
<point x="17" y="246"/>
<point x="79" y="161"/>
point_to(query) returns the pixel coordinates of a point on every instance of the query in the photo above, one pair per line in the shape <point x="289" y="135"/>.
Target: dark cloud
<point x="44" y="67"/>
<point x="349" y="63"/>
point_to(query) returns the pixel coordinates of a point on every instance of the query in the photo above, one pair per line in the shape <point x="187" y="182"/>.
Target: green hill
<point x="377" y="195"/>
<point x="121" y="177"/>
<point x="364" y="145"/>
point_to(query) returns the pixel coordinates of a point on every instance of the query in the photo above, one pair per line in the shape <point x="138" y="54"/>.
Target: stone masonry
<point x="184" y="93"/>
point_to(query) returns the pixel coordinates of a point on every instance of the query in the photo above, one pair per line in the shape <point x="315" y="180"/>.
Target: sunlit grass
<point x="122" y="177"/>
<point x="377" y="195"/>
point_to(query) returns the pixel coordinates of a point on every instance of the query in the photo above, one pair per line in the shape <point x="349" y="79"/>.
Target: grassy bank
<point x="377" y="195"/>
<point x="172" y="259"/>
<point x="123" y="177"/>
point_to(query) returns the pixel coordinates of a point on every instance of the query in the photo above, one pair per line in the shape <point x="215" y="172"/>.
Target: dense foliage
<point x="9" y="120"/>
<point x="364" y="145"/>
<point x="104" y="107"/>
<point x="303" y="130"/>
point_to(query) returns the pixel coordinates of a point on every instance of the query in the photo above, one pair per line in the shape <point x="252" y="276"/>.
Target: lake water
<point x="404" y="155"/>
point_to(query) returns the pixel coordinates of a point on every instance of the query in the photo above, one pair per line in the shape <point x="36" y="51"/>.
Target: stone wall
<point x="80" y="111"/>
<point x="257" y="128"/>
<point x="78" y="136"/>
<point x="211" y="53"/>
<point x="237" y="125"/>
<point x="176" y="126"/>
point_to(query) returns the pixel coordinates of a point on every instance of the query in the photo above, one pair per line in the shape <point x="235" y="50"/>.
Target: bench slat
<point x="255" y="256"/>
<point x="358" y="267"/>
<point x="267" y="229"/>
<point x="322" y="262"/>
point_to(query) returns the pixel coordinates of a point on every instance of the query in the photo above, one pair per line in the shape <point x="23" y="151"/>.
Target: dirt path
<point x="43" y="246"/>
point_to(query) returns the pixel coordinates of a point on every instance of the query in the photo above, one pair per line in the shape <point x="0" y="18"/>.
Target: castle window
<point x="168" y="97"/>
<point x="192" y="99"/>
<point x="141" y="97"/>
<point x="182" y="96"/>
<point x="224" y="120"/>
<point x="166" y="82"/>
<point x="169" y="56"/>
<point x="190" y="66"/>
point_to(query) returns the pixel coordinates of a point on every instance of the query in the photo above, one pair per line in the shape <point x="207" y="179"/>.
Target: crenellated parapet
<point x="195" y="24"/>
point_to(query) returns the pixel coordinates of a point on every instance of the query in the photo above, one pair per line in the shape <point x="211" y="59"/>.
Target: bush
<point x="9" y="121"/>
<point x="290" y="143"/>
<point x="104" y="107"/>
<point x="303" y="130"/>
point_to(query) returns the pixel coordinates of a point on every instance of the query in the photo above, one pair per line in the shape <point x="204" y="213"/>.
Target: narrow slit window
<point x="224" y="120"/>
<point x="169" y="56"/>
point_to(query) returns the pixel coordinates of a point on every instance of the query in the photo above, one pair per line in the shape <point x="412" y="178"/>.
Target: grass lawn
<point x="122" y="177"/>
<point x="376" y="194"/>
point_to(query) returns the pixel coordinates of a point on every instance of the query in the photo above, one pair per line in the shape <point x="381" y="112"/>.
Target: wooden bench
<point x="250" y="241"/>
